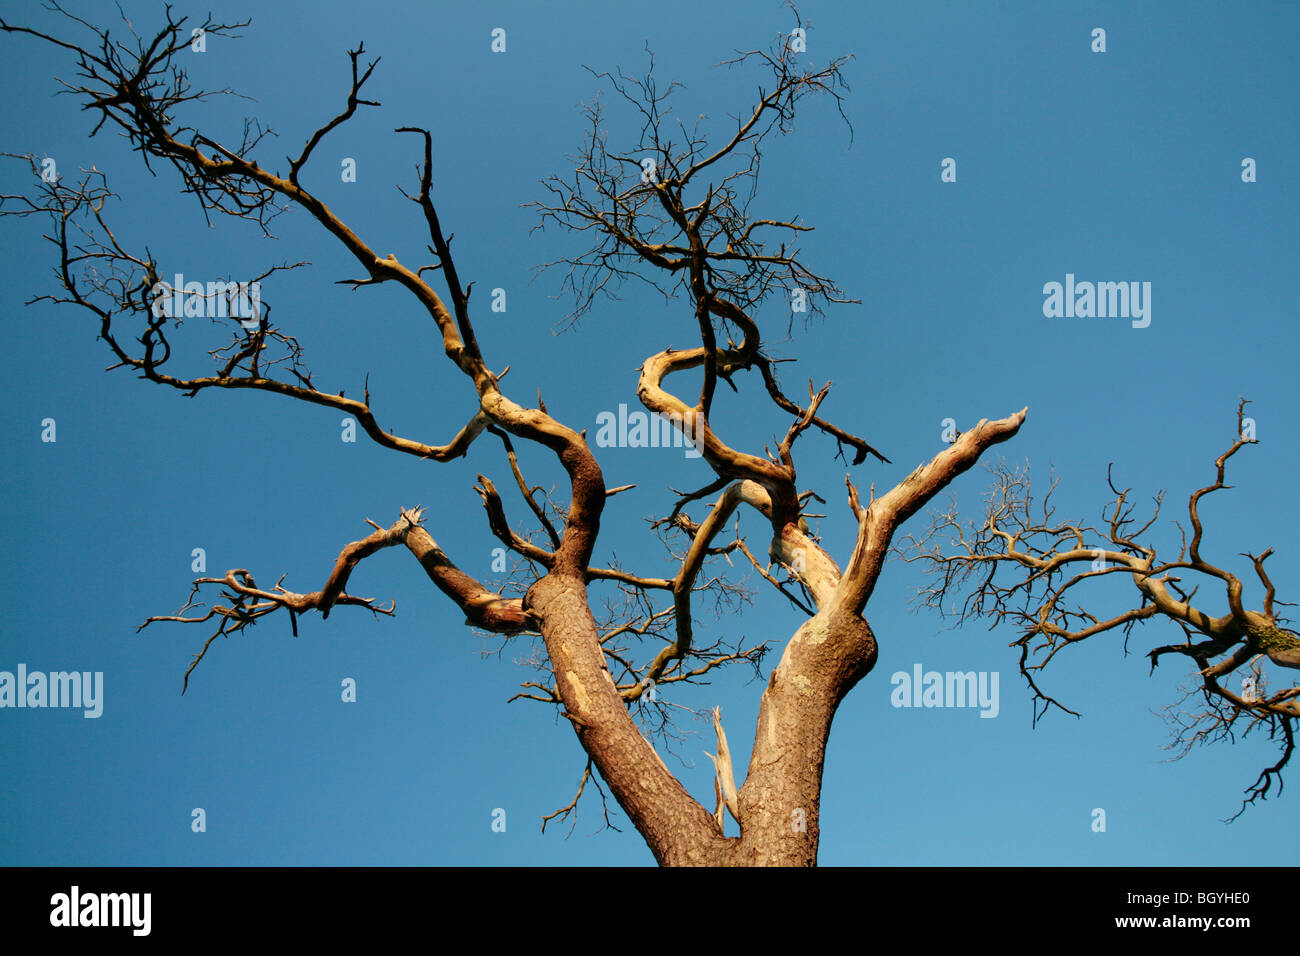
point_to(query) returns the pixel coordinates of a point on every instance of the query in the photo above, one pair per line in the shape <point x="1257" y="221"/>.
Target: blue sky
<point x="1123" y="165"/>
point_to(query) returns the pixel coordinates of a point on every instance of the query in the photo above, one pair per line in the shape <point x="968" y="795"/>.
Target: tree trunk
<point x="780" y="798"/>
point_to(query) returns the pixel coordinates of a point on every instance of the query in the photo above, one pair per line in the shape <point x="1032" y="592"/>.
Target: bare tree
<point x="673" y="209"/>
<point x="1023" y="566"/>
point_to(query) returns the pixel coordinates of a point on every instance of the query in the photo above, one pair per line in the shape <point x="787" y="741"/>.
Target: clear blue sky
<point x="1116" y="166"/>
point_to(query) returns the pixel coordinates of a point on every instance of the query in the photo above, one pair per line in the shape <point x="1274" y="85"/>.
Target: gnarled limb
<point x="882" y="516"/>
<point x="249" y="602"/>
<point x="1026" y="567"/>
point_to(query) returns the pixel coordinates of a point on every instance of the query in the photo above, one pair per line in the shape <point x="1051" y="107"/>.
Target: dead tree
<point x="1023" y="567"/>
<point x="672" y="209"/>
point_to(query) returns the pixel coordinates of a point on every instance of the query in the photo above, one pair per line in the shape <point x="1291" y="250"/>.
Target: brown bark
<point x="676" y="827"/>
